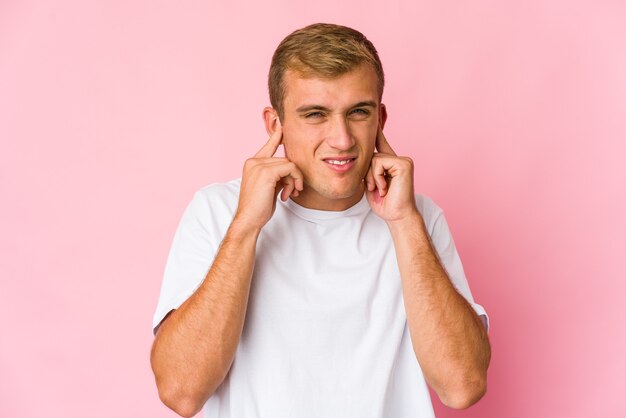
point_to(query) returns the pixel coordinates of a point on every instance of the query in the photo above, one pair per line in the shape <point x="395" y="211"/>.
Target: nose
<point x="339" y="135"/>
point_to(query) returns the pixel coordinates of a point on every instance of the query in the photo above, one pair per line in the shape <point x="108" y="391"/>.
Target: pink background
<point x="112" y="113"/>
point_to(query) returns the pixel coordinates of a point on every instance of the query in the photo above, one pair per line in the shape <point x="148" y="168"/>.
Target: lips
<point x="340" y="164"/>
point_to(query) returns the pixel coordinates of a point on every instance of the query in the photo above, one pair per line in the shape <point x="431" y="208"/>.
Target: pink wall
<point x="112" y="113"/>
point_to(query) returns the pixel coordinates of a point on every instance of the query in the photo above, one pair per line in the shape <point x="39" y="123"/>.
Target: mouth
<point x="340" y="164"/>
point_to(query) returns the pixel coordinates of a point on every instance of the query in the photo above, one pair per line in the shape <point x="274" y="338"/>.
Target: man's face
<point x="329" y="132"/>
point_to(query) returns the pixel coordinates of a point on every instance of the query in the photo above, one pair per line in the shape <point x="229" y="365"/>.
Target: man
<point x="332" y="300"/>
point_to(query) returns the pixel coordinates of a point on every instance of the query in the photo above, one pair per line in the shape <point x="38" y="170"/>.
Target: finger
<point x="270" y="147"/>
<point x="287" y="191"/>
<point x="288" y="172"/>
<point x="381" y="143"/>
<point x="298" y="179"/>
<point x="289" y="188"/>
<point x="369" y="180"/>
<point x="378" y="174"/>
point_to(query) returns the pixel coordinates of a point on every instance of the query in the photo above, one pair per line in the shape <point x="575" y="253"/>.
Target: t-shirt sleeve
<point x="449" y="256"/>
<point x="192" y="252"/>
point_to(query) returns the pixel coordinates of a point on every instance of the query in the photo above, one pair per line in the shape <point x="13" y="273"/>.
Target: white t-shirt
<point x="325" y="333"/>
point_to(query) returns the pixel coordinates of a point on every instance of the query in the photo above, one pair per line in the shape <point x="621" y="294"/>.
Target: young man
<point x="318" y="285"/>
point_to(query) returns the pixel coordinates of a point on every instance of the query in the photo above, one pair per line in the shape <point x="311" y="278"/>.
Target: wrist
<point x="411" y="222"/>
<point x="240" y="229"/>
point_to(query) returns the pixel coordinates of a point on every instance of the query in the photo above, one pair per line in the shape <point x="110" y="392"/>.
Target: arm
<point x="449" y="339"/>
<point x="195" y="345"/>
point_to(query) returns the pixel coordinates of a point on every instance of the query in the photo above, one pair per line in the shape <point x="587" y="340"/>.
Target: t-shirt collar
<point x="362" y="206"/>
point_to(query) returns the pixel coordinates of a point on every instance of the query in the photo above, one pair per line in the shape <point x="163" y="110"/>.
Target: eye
<point x="360" y="113"/>
<point x="313" y="115"/>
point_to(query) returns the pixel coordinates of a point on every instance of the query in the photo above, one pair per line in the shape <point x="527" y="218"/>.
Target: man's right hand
<point x="195" y="346"/>
<point x="264" y="176"/>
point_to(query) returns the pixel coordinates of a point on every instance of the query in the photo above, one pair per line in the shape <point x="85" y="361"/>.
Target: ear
<point x="383" y="115"/>
<point x="270" y="118"/>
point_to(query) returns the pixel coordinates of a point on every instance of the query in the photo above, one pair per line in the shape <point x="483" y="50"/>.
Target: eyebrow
<point x="308" y="108"/>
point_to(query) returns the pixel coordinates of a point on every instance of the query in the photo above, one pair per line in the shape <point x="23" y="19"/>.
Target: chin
<point x="340" y="192"/>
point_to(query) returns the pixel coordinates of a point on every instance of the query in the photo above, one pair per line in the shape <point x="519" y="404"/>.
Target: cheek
<point x="368" y="135"/>
<point x="294" y="148"/>
<point x="301" y="143"/>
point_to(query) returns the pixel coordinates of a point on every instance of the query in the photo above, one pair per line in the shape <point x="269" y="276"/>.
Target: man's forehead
<point x="348" y="89"/>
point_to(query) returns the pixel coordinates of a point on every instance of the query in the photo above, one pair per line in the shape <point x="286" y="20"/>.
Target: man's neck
<point x="317" y="201"/>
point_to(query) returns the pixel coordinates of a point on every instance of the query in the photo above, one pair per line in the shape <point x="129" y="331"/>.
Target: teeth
<point x="338" y="162"/>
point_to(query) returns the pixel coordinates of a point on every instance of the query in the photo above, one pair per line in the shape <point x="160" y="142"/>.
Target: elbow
<point x="469" y="385"/>
<point x="182" y="396"/>
<point x="178" y="396"/>
<point x="465" y="395"/>
<point x="184" y="405"/>
<point x="180" y="393"/>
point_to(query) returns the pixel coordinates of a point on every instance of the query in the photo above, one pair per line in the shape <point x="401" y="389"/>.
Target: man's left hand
<point x="389" y="183"/>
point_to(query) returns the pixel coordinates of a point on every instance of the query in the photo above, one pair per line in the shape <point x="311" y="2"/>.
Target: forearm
<point x="195" y="346"/>
<point x="448" y="337"/>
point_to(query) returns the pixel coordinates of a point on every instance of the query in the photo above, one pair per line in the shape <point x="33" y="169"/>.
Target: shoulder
<point x="225" y="190"/>
<point x="429" y="210"/>
<point x="219" y="191"/>
<point x="216" y="199"/>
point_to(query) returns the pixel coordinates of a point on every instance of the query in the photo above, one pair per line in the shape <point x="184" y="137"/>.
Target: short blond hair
<point x="321" y="50"/>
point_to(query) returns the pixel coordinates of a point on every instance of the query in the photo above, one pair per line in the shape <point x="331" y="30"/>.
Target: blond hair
<point x="321" y="50"/>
